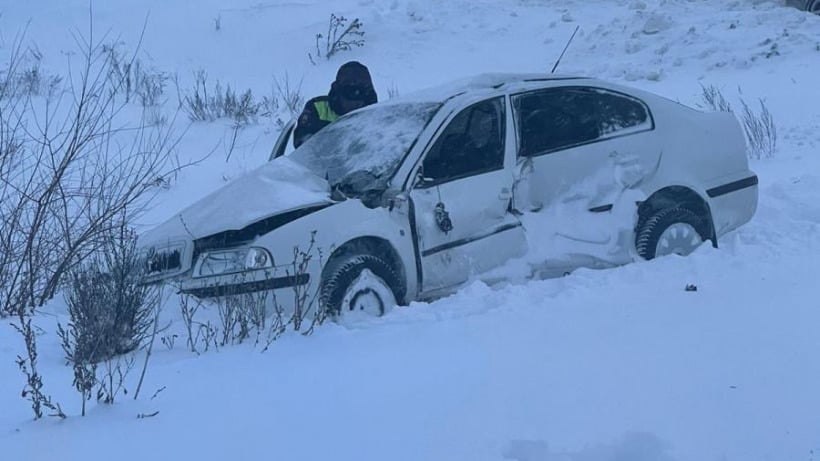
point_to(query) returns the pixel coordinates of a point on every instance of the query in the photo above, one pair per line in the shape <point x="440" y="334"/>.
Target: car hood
<point x="274" y="188"/>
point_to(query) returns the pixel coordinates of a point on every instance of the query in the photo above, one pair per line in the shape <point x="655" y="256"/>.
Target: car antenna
<point x="565" y="50"/>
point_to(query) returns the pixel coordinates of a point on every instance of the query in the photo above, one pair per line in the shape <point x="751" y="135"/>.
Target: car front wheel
<point x="668" y="231"/>
<point x="359" y="286"/>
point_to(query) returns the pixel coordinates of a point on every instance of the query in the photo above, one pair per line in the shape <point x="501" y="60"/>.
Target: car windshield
<point x="363" y="150"/>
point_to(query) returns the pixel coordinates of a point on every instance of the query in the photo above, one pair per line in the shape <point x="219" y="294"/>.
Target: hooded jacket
<point x="324" y="110"/>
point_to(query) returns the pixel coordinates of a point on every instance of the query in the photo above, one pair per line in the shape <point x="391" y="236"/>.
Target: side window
<point x="471" y="144"/>
<point x="617" y="113"/>
<point x="553" y="119"/>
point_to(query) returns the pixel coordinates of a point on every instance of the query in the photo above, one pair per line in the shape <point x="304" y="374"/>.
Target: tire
<point x="813" y="6"/>
<point x="359" y="285"/>
<point x="675" y="230"/>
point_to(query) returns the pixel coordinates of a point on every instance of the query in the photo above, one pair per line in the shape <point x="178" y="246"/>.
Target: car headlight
<point x="232" y="261"/>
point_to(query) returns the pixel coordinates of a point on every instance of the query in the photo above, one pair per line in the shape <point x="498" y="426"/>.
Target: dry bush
<point x="111" y="312"/>
<point x="761" y="132"/>
<point x="201" y="336"/>
<point x="285" y="100"/>
<point x="69" y="166"/>
<point x="240" y="316"/>
<point x="233" y="318"/>
<point x="393" y="91"/>
<point x="759" y="127"/>
<point x="136" y="80"/>
<point x="305" y="296"/>
<point x="341" y="36"/>
<point x="713" y="99"/>
<point x="204" y="106"/>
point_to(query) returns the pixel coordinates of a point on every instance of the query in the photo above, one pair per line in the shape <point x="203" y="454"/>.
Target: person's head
<point x="352" y="89"/>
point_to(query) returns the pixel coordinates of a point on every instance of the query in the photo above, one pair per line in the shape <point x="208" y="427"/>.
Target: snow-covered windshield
<point x="365" y="148"/>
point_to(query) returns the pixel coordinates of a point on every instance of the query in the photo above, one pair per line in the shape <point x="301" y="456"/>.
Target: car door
<point x="284" y="144"/>
<point x="462" y="198"/>
<point x="581" y="143"/>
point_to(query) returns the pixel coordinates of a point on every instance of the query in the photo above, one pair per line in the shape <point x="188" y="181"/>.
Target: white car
<point x="812" y="6"/>
<point x="411" y="198"/>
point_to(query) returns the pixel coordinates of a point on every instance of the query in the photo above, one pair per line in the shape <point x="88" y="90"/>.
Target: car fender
<point x="707" y="150"/>
<point x="335" y="225"/>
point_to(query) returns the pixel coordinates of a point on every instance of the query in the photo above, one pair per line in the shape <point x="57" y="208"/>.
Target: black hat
<point x="355" y="73"/>
<point x="352" y="74"/>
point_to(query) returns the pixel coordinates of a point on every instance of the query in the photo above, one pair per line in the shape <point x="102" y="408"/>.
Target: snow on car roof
<point x="480" y="82"/>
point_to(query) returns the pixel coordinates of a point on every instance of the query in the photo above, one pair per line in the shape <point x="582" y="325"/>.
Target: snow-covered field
<point x="619" y="364"/>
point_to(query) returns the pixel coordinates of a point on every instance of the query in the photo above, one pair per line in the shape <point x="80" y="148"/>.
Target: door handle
<point x="505" y="194"/>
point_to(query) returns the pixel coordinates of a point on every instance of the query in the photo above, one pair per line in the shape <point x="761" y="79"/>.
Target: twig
<point x="157" y="392"/>
<point x="158" y="301"/>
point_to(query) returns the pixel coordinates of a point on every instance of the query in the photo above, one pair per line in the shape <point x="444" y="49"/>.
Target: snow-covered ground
<point x="619" y="364"/>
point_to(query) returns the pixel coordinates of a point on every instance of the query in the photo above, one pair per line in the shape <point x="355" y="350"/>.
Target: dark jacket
<point x="324" y="110"/>
<point x="316" y="115"/>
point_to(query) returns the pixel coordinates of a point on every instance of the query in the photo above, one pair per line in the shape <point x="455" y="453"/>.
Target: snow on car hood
<point x="275" y="187"/>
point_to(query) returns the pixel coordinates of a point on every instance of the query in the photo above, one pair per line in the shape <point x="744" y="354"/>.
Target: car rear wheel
<point x="359" y="286"/>
<point x="813" y="6"/>
<point x="675" y="230"/>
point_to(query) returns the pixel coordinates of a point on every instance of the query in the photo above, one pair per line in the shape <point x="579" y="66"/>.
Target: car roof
<point x="481" y="83"/>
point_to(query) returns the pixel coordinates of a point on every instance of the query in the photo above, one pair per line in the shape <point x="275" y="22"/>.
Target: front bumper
<point x="242" y="283"/>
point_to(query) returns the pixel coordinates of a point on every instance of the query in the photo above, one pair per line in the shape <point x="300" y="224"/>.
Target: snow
<point x="274" y="187"/>
<point x="601" y="365"/>
<point x="474" y="83"/>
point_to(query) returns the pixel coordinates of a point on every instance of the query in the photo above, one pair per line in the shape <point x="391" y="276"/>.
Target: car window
<point x="619" y="113"/>
<point x="472" y="143"/>
<point x="550" y="120"/>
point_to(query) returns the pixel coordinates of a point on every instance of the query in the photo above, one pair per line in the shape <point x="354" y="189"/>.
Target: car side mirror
<point x="396" y="200"/>
<point x="372" y="198"/>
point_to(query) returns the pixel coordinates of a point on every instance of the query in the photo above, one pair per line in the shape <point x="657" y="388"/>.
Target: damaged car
<point x="812" y="6"/>
<point x="476" y="180"/>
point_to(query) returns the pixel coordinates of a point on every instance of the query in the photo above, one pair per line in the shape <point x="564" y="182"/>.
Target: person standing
<point x="352" y="89"/>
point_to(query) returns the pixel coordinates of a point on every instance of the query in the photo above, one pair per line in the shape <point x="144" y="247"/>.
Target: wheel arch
<point x="672" y="196"/>
<point x="375" y="246"/>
